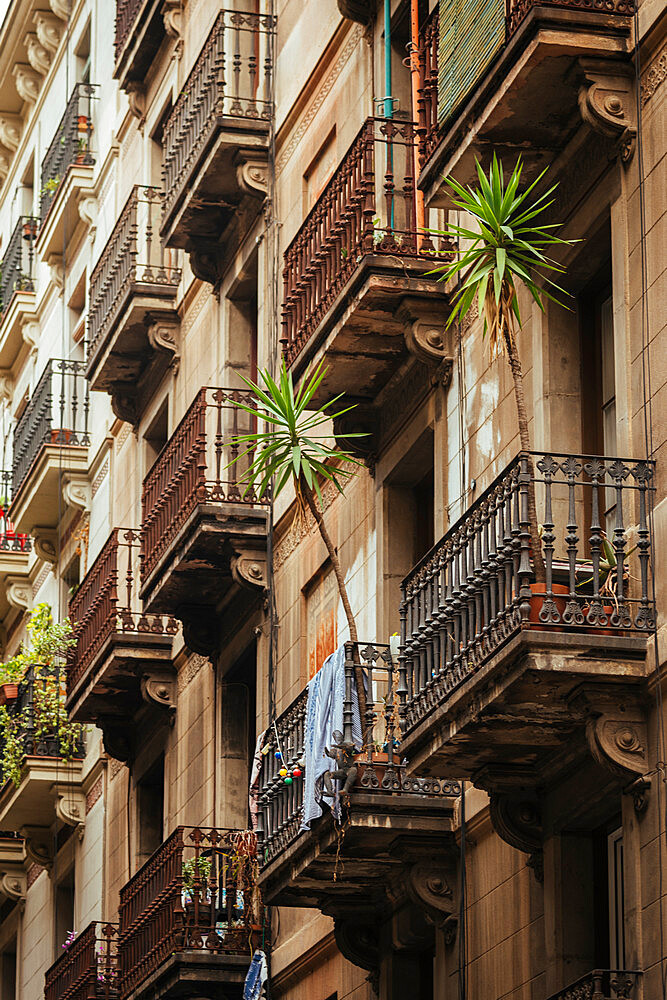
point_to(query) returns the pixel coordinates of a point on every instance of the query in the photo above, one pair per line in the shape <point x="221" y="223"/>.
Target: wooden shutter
<point x="471" y="33"/>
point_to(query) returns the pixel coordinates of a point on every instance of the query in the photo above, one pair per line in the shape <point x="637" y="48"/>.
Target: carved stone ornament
<point x="200" y="630"/>
<point x="431" y="885"/>
<point x="27" y="82"/>
<point x="71" y="806"/>
<point x="49" y="30"/>
<point x="30" y="334"/>
<point x="44" y="544"/>
<point x="18" y="592"/>
<point x="427" y="340"/>
<point x="10" y="131"/>
<point x="159" y="689"/>
<point x="136" y="96"/>
<point x="357" y="940"/>
<point x="56" y="270"/>
<point x="13" y="884"/>
<point x="4" y="166"/>
<point x="206" y="262"/>
<point x="163" y="335"/>
<point x="116" y="739"/>
<point x="356" y="10"/>
<point x="517" y="820"/>
<point x="124" y="405"/>
<point x="172" y="12"/>
<point x="249" y="569"/>
<point x="6" y="387"/>
<point x="38" y="845"/>
<point x="640" y="791"/>
<point x="88" y="213"/>
<point x="76" y="492"/>
<point x="61" y="8"/>
<point x="607" y="104"/>
<point x="39" y="56"/>
<point x="616" y="729"/>
<point x="253" y="177"/>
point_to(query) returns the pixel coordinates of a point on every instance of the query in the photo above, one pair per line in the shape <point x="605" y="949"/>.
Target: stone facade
<point x="170" y="205"/>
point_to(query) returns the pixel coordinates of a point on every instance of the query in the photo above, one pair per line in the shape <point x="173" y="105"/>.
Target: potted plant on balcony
<point x="196" y="891"/>
<point x="44" y="717"/>
<point x="295" y="448"/>
<point x="508" y="247"/>
<point x="29" y="229"/>
<point x="11" y="673"/>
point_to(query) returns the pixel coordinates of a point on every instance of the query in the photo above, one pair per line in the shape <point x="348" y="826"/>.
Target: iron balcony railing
<point x="476" y="588"/>
<point x="196" y="893"/>
<point x="107" y="606"/>
<point x="72" y="143"/>
<point x="194" y="467"/>
<point x="16" y="267"/>
<point x="87" y="968"/>
<point x="11" y="540"/>
<point x="367" y="208"/>
<point x="133" y="259"/>
<point x="57" y="413"/>
<point x="37" y="738"/>
<point x="231" y="80"/>
<point x="602" y="984"/>
<point x="380" y="761"/>
<point x="127" y="12"/>
<point x="428" y="125"/>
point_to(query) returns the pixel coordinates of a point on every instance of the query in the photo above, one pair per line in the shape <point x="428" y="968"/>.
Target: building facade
<point x="190" y="194"/>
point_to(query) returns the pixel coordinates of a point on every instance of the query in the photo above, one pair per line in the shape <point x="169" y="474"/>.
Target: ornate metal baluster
<point x="643" y="474"/>
<point x="595" y="469"/>
<point x="548" y="612"/>
<point x="620" y="617"/>
<point x="572" y="615"/>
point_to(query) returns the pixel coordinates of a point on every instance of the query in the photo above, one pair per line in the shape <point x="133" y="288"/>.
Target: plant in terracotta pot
<point x="29" y="229"/>
<point x="607" y="577"/>
<point x="11" y="674"/>
<point x="506" y="247"/>
<point x="43" y="718"/>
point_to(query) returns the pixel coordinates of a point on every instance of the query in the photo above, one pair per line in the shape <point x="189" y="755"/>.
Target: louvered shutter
<point x="471" y="34"/>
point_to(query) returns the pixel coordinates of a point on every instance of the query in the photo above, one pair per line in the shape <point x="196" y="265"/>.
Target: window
<point x="150" y="811"/>
<point x="8" y="972"/>
<point x="616" y="899"/>
<point x="321" y="619"/>
<point x="64" y="904"/>
<point x="156" y="435"/>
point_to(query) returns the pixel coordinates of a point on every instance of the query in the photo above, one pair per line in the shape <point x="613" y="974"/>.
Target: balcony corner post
<point x="524" y="537"/>
<point x="349" y="682"/>
<point x="402" y="683"/>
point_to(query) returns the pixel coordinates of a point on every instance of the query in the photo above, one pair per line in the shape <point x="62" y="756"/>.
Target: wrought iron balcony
<point x="11" y="540"/>
<point x="141" y="27"/>
<point x="87" y="968"/>
<point x="386" y="807"/>
<point x="354" y="260"/>
<point x="189" y="917"/>
<point x="122" y="656"/>
<point x="602" y="984"/>
<point x="132" y="321"/>
<point x="478" y="100"/>
<point x="200" y="531"/>
<point x="215" y="141"/>
<point x="51" y="436"/>
<point x="475" y="624"/>
<point x="16" y="268"/>
<point x="71" y="145"/>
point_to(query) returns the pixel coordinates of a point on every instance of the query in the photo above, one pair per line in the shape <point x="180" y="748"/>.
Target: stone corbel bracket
<point x="39" y="56"/>
<point x="249" y="569"/>
<point x="71" y="807"/>
<point x="252" y="175"/>
<point x="88" y="208"/>
<point x="10" y="131"/>
<point x="426" y="338"/>
<point x="27" y="81"/>
<point x="607" y="104"/>
<point x="56" y="270"/>
<point x="38" y="845"/>
<point x="163" y="335"/>
<point x="13" y="883"/>
<point x="49" y="30"/>
<point x="431" y="885"/>
<point x="30" y="335"/>
<point x="172" y="15"/>
<point x="159" y="689"/>
<point x="77" y="493"/>
<point x="45" y="543"/>
<point x="6" y="387"/>
<point x="18" y="592"/>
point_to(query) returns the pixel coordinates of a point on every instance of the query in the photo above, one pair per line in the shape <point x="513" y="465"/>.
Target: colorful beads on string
<point x="297" y="772"/>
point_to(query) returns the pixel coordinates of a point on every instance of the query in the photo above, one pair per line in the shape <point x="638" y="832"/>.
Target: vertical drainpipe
<point x="415" y="81"/>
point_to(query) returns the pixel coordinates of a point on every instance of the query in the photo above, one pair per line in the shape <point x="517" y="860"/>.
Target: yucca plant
<point x="296" y="446"/>
<point x="507" y="247"/>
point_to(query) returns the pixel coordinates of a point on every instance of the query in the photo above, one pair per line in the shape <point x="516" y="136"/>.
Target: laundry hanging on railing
<point x="255" y="771"/>
<point x="324" y="717"/>
<point x="258" y="974"/>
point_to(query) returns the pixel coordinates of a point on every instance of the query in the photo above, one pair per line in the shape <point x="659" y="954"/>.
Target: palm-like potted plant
<point x="296" y="446"/>
<point x="507" y="247"/>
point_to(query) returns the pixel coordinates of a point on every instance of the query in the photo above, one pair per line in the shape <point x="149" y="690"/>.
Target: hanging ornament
<point x="297" y="772"/>
<point x="282" y="772"/>
<point x="278" y="755"/>
<point x="288" y="780"/>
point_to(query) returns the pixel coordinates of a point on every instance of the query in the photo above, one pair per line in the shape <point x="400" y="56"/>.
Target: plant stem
<point x="524" y="438"/>
<point x="309" y="497"/>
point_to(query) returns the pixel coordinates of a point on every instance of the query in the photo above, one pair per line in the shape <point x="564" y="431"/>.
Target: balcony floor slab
<point x="36" y="502"/>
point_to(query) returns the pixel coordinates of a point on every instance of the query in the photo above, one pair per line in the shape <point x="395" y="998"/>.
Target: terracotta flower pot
<point x="82" y="124"/>
<point x="8" y="693"/>
<point x="61" y="435"/>
<point x="538" y="590"/>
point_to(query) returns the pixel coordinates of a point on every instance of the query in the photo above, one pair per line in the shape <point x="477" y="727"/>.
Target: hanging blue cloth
<point x="258" y="973"/>
<point x="324" y="715"/>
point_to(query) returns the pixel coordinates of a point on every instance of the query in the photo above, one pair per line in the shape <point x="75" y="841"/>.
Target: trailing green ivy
<point x="38" y="670"/>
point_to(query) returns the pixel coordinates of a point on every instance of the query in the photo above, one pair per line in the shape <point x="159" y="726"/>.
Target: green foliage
<point x="196" y="874"/>
<point x="41" y="663"/>
<point x="292" y="446"/>
<point x="509" y="245"/>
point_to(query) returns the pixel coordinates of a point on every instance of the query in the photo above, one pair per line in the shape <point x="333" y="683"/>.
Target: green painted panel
<point x="471" y="33"/>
